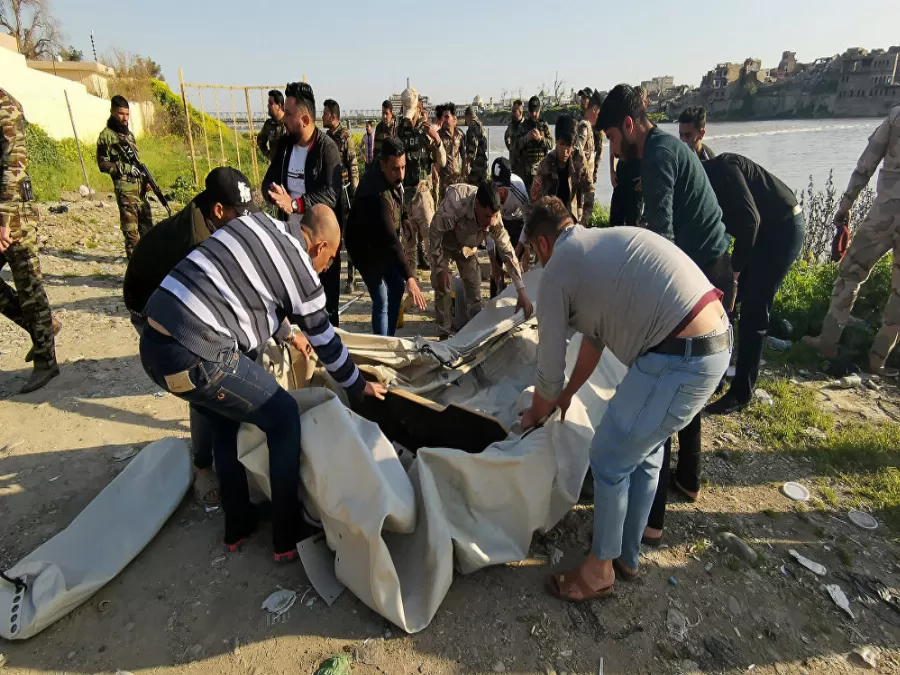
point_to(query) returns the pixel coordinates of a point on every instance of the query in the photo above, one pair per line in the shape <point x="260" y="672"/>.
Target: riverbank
<point x="184" y="608"/>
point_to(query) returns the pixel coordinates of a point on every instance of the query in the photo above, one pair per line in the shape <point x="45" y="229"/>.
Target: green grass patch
<point x="863" y="458"/>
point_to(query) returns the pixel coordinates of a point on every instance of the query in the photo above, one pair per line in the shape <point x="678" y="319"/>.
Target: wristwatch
<point x="297" y="205"/>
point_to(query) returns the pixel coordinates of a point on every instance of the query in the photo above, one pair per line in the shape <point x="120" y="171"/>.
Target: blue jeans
<point x="226" y="392"/>
<point x="659" y="396"/>
<point x="387" y="291"/>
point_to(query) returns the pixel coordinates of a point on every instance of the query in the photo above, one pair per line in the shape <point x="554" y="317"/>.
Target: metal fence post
<point x="77" y="143"/>
<point x="187" y="120"/>
<point x="203" y="127"/>
<point x="219" y="121"/>
<point x="237" y="147"/>
<point x="252" y="135"/>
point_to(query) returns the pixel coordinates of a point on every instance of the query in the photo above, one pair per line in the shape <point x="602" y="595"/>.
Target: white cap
<point x="409" y="103"/>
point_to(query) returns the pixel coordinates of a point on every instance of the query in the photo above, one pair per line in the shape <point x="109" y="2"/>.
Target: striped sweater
<point x="234" y="288"/>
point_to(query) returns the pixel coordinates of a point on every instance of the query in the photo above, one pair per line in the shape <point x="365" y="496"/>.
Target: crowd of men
<point x="698" y="234"/>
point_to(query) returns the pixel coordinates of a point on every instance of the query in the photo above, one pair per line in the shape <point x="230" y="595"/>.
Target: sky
<point x="360" y="52"/>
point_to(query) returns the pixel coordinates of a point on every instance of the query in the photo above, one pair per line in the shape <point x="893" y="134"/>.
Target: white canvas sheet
<point x="399" y="536"/>
<point x="120" y="521"/>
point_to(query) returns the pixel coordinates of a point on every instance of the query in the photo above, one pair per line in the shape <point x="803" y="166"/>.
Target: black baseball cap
<point x="501" y="173"/>
<point x="597" y="98"/>
<point x="587" y="92"/>
<point x="229" y="187"/>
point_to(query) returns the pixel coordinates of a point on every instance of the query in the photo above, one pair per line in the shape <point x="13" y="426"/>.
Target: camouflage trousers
<point x="445" y="182"/>
<point x="478" y="172"/>
<point x="587" y="207"/>
<point x="469" y="272"/>
<point x="28" y="305"/>
<point x="135" y="217"/>
<point x="415" y="229"/>
<point x="876" y="235"/>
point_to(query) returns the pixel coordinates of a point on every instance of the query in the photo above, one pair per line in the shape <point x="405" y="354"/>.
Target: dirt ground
<point x="183" y="607"/>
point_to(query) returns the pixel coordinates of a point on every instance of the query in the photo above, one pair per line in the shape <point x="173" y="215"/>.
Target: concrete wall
<point x="43" y="98"/>
<point x="92" y="75"/>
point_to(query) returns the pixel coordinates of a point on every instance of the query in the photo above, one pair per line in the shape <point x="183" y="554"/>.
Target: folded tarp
<point x="116" y="526"/>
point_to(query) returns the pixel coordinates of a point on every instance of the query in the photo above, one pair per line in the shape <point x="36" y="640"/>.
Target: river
<point x="793" y="150"/>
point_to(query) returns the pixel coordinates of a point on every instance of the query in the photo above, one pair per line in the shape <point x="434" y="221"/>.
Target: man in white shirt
<point x="514" y="204"/>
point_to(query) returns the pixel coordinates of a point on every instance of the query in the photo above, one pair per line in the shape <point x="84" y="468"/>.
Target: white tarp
<point x="398" y="537"/>
<point x="76" y="563"/>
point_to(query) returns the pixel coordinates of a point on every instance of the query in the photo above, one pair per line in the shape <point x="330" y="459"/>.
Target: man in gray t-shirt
<point x="640" y="296"/>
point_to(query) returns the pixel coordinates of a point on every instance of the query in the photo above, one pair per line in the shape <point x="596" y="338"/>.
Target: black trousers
<point x="331" y="283"/>
<point x="776" y="249"/>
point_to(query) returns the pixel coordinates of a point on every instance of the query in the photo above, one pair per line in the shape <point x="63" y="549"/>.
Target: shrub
<point x="818" y="210"/>
<point x="600" y="216"/>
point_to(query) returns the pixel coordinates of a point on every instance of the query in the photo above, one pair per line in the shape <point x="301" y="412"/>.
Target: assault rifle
<point x="132" y="158"/>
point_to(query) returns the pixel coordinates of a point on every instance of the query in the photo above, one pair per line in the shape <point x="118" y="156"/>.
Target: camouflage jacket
<point x="343" y="139"/>
<point x="509" y="137"/>
<point x="546" y="181"/>
<point x="884" y="145"/>
<point x="531" y="152"/>
<point x="476" y="146"/>
<point x="111" y="157"/>
<point x="598" y="146"/>
<point x="383" y="131"/>
<point x="13" y="161"/>
<point x="455" y="228"/>
<point x="455" y="149"/>
<point x="268" y="137"/>
<point x="584" y="145"/>
<point x="422" y="153"/>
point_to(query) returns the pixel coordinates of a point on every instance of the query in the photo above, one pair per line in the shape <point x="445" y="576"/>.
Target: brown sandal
<point x="623" y="572"/>
<point x="687" y="494"/>
<point x="561" y="586"/>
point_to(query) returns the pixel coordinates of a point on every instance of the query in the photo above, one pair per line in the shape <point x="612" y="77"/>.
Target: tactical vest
<point x="418" y="156"/>
<point x="532" y="151"/>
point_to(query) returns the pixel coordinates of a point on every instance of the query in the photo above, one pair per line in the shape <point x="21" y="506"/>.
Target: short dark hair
<point x="450" y="107"/>
<point x="534" y="103"/>
<point x="439" y="110"/>
<point x="333" y="107"/>
<point x="517" y="103"/>
<point x="695" y="115"/>
<point x="470" y="112"/>
<point x="302" y="93"/>
<point x="623" y="101"/>
<point x="277" y="96"/>
<point x="488" y="196"/>
<point x="119" y="102"/>
<point x="386" y="103"/>
<point x="392" y="147"/>
<point x="565" y="129"/>
<point x="369" y="123"/>
<point x="548" y="218"/>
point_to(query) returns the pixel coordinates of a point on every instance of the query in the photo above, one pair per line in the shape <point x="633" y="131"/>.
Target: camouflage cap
<point x="409" y="103"/>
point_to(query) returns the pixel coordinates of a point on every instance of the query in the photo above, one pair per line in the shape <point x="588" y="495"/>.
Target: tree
<point x="71" y="54"/>
<point x="559" y="88"/>
<point x="36" y="30"/>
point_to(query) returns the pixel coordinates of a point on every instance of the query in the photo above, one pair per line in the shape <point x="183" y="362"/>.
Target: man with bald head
<point x="205" y="326"/>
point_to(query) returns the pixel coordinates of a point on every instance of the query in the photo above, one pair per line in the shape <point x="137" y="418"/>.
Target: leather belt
<point x="694" y="346"/>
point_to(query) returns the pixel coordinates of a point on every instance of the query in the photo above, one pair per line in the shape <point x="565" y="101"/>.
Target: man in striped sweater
<point x="206" y="324"/>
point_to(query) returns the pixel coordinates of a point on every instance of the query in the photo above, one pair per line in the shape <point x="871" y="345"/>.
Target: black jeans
<point x="331" y="282"/>
<point x="201" y="433"/>
<point x="224" y="393"/>
<point x="776" y="249"/>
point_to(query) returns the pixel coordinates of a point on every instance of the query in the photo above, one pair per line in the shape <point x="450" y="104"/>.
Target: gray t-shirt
<point x="623" y="288"/>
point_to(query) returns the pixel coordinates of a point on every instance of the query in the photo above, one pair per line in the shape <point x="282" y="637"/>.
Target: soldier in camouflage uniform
<point x="454" y="141"/>
<point x="585" y="138"/>
<point x="533" y="141"/>
<point x="28" y="305"/>
<point x="465" y="218"/>
<point x="509" y="137"/>
<point x="563" y="157"/>
<point x="273" y="128"/>
<point x="128" y="182"/>
<point x="423" y="150"/>
<point x="875" y="236"/>
<point x="387" y="127"/>
<point x="586" y="95"/>
<point x="331" y="120"/>
<point x="476" y="149"/>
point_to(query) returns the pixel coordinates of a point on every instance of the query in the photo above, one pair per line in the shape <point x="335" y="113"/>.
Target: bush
<point x="600" y="216"/>
<point x="818" y="210"/>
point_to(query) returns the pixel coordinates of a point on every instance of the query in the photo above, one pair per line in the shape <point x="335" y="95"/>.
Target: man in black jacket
<point x="763" y="216"/>
<point x="305" y="171"/>
<point x="373" y="241"/>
